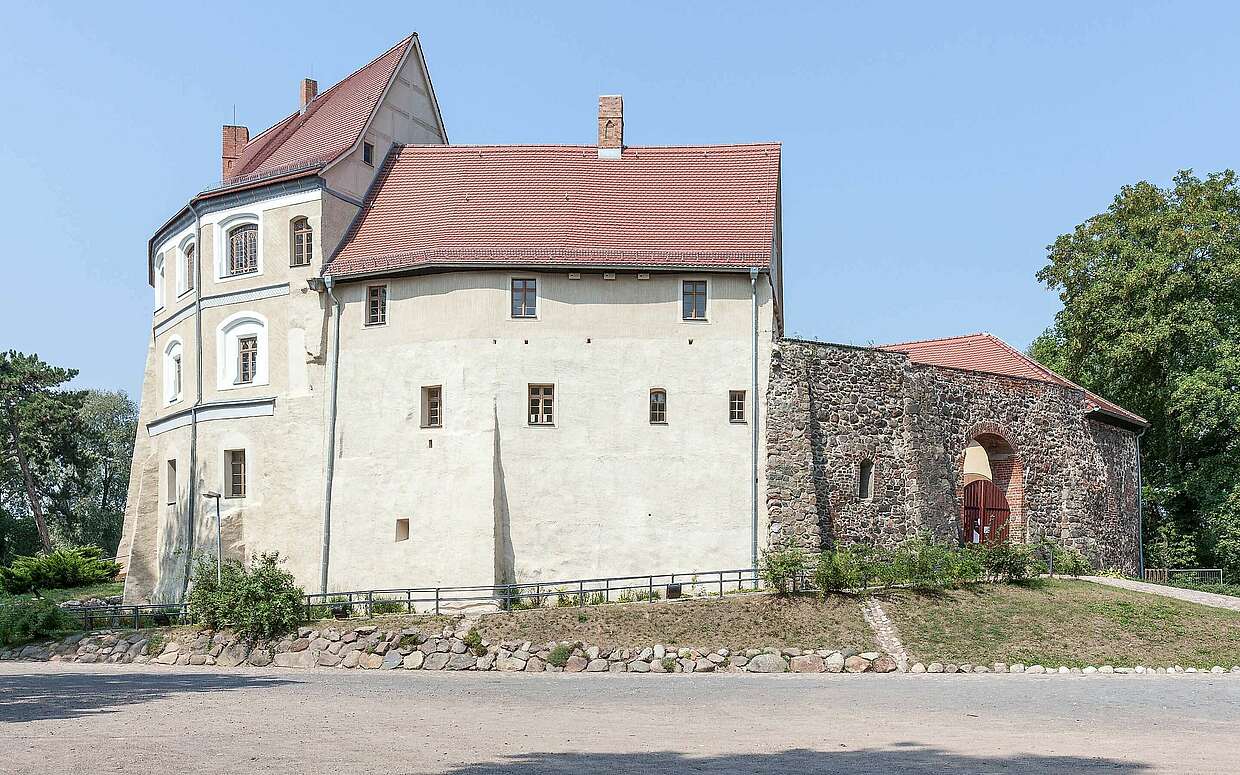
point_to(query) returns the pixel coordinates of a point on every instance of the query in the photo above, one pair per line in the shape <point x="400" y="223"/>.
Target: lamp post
<point x="219" y="562"/>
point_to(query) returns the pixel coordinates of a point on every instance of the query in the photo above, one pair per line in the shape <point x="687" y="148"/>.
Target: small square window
<point x="368" y="153"/>
<point x="376" y="305"/>
<point x="432" y="406"/>
<point x="402" y="530"/>
<point x="736" y="405"/>
<point x="524" y="298"/>
<point x="542" y="404"/>
<point x="236" y="472"/>
<point x="693" y="299"/>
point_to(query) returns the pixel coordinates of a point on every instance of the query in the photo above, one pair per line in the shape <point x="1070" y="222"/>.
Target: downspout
<point x="330" y="463"/>
<point x="192" y="489"/>
<point x="753" y="553"/>
<point x="1140" y="512"/>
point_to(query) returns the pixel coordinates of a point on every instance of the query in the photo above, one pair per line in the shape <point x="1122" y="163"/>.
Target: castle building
<point x="404" y="363"/>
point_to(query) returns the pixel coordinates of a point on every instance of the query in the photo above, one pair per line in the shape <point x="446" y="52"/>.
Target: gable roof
<point x="330" y="125"/>
<point x="707" y="207"/>
<point x="988" y="353"/>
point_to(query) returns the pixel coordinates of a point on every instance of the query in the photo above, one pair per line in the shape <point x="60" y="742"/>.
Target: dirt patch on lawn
<point x="738" y="621"/>
<point x="1060" y="622"/>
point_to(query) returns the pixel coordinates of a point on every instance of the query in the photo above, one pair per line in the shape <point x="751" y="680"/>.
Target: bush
<point x="24" y="620"/>
<point x="261" y="602"/>
<point x="1063" y="560"/>
<point x="473" y="641"/>
<point x="779" y="568"/>
<point x="1005" y="561"/>
<point x="839" y="569"/>
<point x="560" y="654"/>
<point x="75" y="566"/>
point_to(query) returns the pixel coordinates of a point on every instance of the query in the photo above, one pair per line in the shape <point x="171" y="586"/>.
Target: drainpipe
<point x="753" y="553"/>
<point x="330" y="463"/>
<point x="192" y="489"/>
<point x="1140" y="513"/>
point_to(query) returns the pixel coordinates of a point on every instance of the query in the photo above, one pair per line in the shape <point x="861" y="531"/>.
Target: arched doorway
<point x="984" y="519"/>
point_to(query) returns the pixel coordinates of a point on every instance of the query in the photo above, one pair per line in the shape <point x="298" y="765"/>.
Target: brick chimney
<point x="309" y="90"/>
<point x="610" y="126"/>
<point x="235" y="138"/>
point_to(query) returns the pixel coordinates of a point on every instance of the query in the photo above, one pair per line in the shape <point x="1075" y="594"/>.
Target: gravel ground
<point x="134" y="719"/>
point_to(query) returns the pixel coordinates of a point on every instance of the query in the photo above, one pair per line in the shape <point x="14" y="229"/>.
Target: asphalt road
<point x="135" y="719"/>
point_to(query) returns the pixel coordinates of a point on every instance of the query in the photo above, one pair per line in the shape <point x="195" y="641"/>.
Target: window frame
<point x="170" y="482"/>
<point x="547" y="394"/>
<point x="512" y="291"/>
<point x="651" y="409"/>
<point x="297" y="227"/>
<point x="230" y="491"/>
<point x="402" y="530"/>
<point x="242" y="359"/>
<point x="228" y="332"/>
<point x="865" y="479"/>
<point x="174" y="352"/>
<point x="368" y="153"/>
<point x="187" y="258"/>
<point x="161" y="282"/>
<point x="220" y="257"/>
<point x="744" y="414"/>
<point x="429" y="391"/>
<point x="366" y="319"/>
<point x="705" y="282"/>
<point x="229" y="241"/>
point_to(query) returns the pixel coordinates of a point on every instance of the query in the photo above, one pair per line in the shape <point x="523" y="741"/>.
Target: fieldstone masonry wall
<point x="829" y="407"/>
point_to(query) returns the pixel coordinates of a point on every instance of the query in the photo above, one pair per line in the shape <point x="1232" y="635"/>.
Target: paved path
<point x="135" y="719"/>
<point x="1191" y="595"/>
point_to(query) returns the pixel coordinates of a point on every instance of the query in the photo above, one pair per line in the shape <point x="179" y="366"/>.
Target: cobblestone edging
<point x="372" y="648"/>
<point x="885" y="632"/>
<point x="1004" y="667"/>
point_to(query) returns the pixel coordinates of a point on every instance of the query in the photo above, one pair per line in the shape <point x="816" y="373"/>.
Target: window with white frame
<point x="242" y="248"/>
<point x="301" y="238"/>
<point x="658" y="406"/>
<point x="160" y="277"/>
<point x="236" y="474"/>
<point x="542" y="404"/>
<point x="524" y="297"/>
<point x="693" y="299"/>
<point x="188" y="267"/>
<point x="736" y="405"/>
<point x="241" y="351"/>
<point x="173" y="370"/>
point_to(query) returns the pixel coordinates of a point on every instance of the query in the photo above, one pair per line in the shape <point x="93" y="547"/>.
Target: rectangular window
<point x="658" y="406"/>
<point x="176" y="378"/>
<point x="542" y="404"/>
<point x="236" y="472"/>
<point x="368" y="153"/>
<point x="190" y="271"/>
<point x="247" y="359"/>
<point x="524" y="298"/>
<point x="402" y="530"/>
<point x="171" y="483"/>
<point x="736" y="405"/>
<point x="432" y="407"/>
<point x="693" y="299"/>
<point x="865" y="483"/>
<point x="376" y="305"/>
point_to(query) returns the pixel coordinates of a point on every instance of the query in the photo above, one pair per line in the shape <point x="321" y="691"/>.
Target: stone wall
<point x="830" y="407"/>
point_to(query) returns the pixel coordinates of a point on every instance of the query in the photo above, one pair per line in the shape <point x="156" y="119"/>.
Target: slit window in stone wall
<point x="865" y="480"/>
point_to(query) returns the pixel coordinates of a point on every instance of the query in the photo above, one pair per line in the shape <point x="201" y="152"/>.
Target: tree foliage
<point x="1151" y="319"/>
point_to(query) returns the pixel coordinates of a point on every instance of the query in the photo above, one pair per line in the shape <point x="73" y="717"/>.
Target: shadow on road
<point x="902" y="759"/>
<point x="42" y="696"/>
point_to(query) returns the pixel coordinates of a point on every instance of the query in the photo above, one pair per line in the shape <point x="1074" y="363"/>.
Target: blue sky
<point x="931" y="151"/>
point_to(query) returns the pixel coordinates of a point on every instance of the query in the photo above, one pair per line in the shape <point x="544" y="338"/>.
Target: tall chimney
<point x="235" y="138"/>
<point x="309" y="90"/>
<point x="610" y="126"/>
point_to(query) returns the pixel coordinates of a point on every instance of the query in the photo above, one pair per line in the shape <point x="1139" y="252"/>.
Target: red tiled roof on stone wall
<point x="330" y="125"/>
<point x="988" y="353"/>
<point x="708" y="206"/>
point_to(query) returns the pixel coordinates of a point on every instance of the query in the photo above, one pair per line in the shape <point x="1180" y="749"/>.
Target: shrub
<point x="1063" y="560"/>
<point x="75" y="566"/>
<point x="1005" y="561"/>
<point x="669" y="664"/>
<point x="780" y="568"/>
<point x="381" y="607"/>
<point x="560" y="654"/>
<point x="473" y="641"/>
<point x="262" y="601"/>
<point x="837" y="570"/>
<point x="23" y="620"/>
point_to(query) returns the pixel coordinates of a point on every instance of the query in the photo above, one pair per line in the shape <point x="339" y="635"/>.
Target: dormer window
<point x="243" y="249"/>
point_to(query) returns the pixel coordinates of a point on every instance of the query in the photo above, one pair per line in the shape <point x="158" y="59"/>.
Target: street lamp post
<point x="219" y="562"/>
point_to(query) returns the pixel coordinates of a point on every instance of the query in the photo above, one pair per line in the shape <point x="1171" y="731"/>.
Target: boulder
<point x="260" y="657"/>
<point x="810" y="663"/>
<point x="703" y="666"/>
<point x="392" y="660"/>
<point x="856" y="664"/>
<point x="596" y="665"/>
<point x="510" y="664"/>
<point x="295" y="659"/>
<point x="884" y="664"/>
<point x="834" y="662"/>
<point x="233" y="655"/>
<point x="638" y="666"/>
<point x="575" y="664"/>
<point x="413" y="661"/>
<point x="766" y="663"/>
<point x="327" y="659"/>
<point x="535" y="665"/>
<point x="462" y="661"/>
<point x="436" y="661"/>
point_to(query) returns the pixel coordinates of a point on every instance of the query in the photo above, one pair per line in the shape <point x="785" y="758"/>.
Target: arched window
<point x="658" y="406"/>
<point x="300" y="242"/>
<point x="190" y="268"/>
<point x="173" y="371"/>
<point x="160" y="276"/>
<point x="865" y="480"/>
<point x="241" y="351"/>
<point x="243" y="249"/>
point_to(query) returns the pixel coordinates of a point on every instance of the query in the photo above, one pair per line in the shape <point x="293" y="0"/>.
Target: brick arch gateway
<point x="992" y="503"/>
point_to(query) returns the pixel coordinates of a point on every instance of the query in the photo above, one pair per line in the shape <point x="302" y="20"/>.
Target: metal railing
<point x="436" y="600"/>
<point x="1184" y="575"/>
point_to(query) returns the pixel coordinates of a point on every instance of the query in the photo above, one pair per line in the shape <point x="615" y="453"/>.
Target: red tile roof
<point x="711" y="206"/>
<point x="329" y="127"/>
<point x="988" y="353"/>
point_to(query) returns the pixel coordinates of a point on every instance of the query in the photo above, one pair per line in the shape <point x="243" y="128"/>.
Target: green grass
<point x="110" y="589"/>
<point x="1060" y="622"/>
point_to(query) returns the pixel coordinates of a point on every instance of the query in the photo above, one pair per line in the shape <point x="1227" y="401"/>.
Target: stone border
<point x="1003" y="667"/>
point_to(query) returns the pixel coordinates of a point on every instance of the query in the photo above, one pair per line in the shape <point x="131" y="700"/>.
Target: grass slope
<point x="737" y="621"/>
<point x="1060" y="622"/>
<point x="110" y="589"/>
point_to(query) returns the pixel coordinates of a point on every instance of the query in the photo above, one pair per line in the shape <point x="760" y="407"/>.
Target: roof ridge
<point x="584" y="146"/>
<point x="936" y="339"/>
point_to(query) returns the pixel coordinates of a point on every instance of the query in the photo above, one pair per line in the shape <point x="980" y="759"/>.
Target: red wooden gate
<point x="986" y="512"/>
